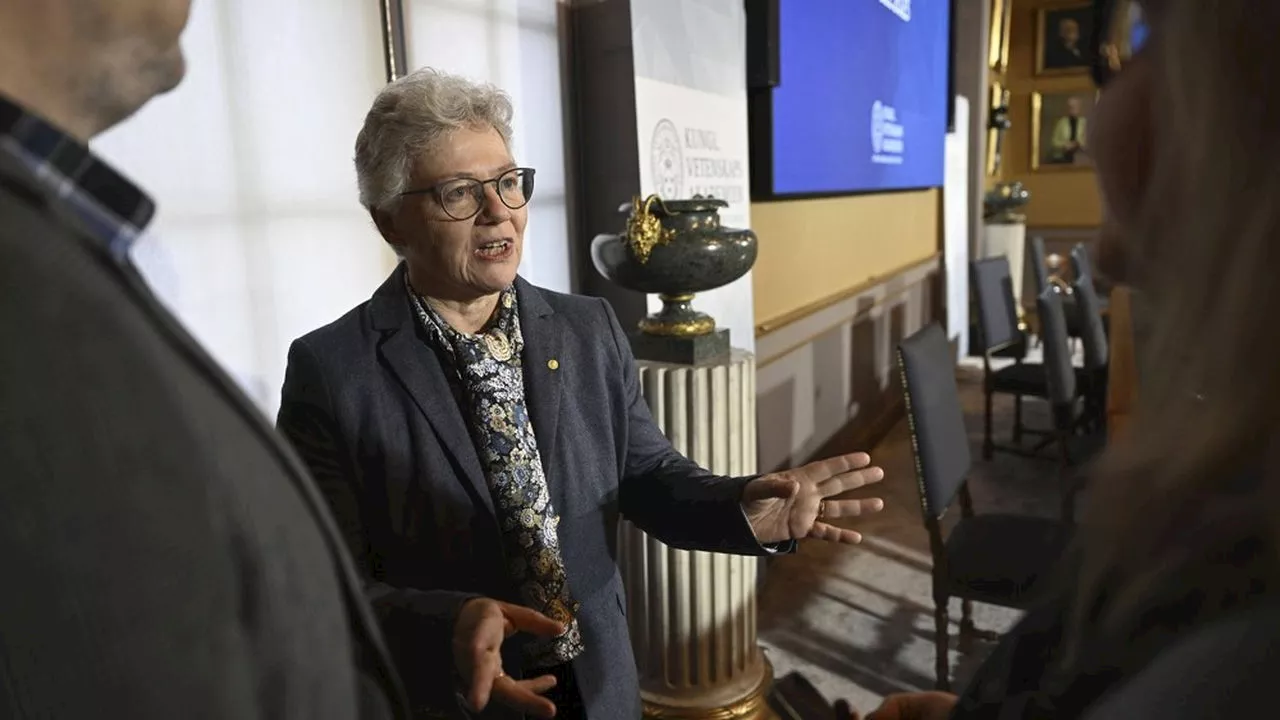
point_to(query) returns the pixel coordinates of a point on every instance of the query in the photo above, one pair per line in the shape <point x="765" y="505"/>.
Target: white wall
<point x="259" y="236"/>
<point x="514" y="44"/>
<point x="836" y="367"/>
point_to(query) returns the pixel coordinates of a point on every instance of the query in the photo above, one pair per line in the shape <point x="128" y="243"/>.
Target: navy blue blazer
<point x="368" y="405"/>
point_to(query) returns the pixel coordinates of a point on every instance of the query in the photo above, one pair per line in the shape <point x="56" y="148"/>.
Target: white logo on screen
<point x="888" y="137"/>
<point x="901" y="8"/>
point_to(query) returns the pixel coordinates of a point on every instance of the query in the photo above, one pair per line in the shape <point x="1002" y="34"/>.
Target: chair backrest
<point x="1059" y="374"/>
<point x="938" y="436"/>
<point x="1080" y="264"/>
<point x="1040" y="264"/>
<point x="993" y="291"/>
<point x="1092" y="331"/>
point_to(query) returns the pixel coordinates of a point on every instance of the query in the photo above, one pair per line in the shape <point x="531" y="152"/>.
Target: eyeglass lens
<point x="464" y="197"/>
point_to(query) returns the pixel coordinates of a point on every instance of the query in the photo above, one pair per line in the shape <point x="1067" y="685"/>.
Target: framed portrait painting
<point x="998" y="48"/>
<point x="997" y="126"/>
<point x="1062" y="39"/>
<point x="1060" y="130"/>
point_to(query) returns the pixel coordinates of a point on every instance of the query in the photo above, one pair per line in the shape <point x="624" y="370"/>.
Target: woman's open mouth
<point x="496" y="250"/>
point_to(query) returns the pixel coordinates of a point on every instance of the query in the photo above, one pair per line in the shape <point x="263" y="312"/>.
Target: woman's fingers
<point x="486" y="670"/>
<point x="850" y="508"/>
<point x="528" y="620"/>
<point x="851" y="480"/>
<point x="526" y="696"/>
<point x="820" y="470"/>
<point x="831" y="533"/>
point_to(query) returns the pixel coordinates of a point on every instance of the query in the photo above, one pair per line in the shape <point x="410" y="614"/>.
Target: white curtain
<point x="259" y="236"/>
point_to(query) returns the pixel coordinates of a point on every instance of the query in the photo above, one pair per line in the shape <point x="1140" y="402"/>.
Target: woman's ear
<point x="385" y="222"/>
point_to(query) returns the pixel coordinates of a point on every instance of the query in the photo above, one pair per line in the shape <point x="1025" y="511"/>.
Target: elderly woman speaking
<point x="478" y="435"/>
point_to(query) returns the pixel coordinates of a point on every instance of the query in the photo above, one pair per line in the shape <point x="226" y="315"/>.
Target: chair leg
<point x="988" y="447"/>
<point x="1017" y="419"/>
<point x="942" y="664"/>
<point x="1064" y="447"/>
<point x="969" y="631"/>
<point x="1069" y="491"/>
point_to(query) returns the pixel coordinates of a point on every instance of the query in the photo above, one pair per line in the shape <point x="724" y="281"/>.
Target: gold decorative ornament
<point x="680" y="326"/>
<point x="553" y="364"/>
<point x="644" y="229"/>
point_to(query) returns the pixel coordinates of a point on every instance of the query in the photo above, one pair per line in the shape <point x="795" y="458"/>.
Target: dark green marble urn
<point x="676" y="248"/>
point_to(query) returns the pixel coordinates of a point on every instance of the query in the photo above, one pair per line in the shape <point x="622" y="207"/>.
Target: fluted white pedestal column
<point x="693" y="614"/>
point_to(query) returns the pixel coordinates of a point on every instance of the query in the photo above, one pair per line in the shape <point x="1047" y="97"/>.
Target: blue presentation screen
<point x="862" y="102"/>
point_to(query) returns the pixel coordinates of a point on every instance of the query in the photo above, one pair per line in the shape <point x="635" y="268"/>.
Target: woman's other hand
<point x="915" y="706"/>
<point x="845" y="711"/>
<point x="481" y="627"/>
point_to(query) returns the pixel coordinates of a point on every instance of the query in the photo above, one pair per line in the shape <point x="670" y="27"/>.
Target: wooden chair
<point x="1081" y="267"/>
<point x="1044" y="281"/>
<point x="1097" y="355"/>
<point x="1039" y="265"/>
<point x="1075" y="440"/>
<point x="992" y="558"/>
<point x="999" y="336"/>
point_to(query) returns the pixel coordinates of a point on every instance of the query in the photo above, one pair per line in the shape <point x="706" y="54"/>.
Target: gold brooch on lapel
<point x="553" y="364"/>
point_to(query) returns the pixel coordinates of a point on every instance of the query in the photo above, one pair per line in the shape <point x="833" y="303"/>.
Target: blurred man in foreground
<point x="165" y="555"/>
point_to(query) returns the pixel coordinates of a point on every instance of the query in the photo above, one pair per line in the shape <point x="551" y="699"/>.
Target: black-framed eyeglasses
<point x="463" y="198"/>
<point x="1120" y="30"/>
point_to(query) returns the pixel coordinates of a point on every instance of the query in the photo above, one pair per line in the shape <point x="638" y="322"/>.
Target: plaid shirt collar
<point x="114" y="210"/>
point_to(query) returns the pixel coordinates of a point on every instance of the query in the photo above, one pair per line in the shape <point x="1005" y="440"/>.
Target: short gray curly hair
<point x="408" y="116"/>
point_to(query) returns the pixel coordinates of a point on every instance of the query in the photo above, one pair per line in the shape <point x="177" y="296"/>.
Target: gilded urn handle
<point x="644" y="228"/>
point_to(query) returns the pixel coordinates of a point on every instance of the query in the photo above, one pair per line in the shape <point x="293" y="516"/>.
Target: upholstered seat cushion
<point x="1003" y="559"/>
<point x="1020" y="379"/>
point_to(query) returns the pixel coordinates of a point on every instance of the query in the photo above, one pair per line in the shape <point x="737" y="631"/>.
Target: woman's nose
<point x="493" y="205"/>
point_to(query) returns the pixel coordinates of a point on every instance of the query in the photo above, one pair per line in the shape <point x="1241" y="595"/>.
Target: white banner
<point x="955" y="226"/>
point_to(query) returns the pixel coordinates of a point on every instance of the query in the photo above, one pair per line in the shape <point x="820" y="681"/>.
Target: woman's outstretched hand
<point x="797" y="504"/>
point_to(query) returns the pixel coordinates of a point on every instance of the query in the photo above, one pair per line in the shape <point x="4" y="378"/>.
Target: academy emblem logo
<point x="667" y="159"/>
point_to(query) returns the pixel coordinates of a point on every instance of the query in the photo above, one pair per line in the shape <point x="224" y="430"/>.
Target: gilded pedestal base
<point x="754" y="706"/>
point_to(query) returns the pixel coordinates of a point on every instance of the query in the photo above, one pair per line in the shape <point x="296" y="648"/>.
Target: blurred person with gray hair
<point x="480" y="436"/>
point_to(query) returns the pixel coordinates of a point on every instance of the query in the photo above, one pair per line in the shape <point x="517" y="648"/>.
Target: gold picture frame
<point x="995" y="137"/>
<point x="998" y="42"/>
<point x="1057" y="143"/>
<point x="1062" y="34"/>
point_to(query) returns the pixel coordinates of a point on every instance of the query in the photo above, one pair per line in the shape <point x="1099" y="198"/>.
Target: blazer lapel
<point x="543" y="333"/>
<point x="423" y="377"/>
